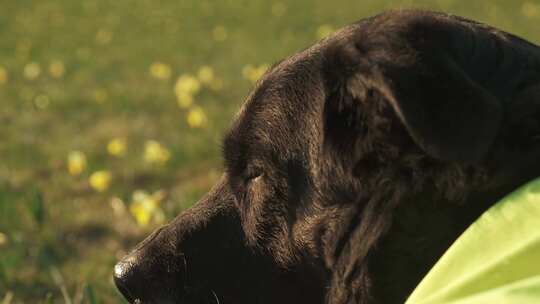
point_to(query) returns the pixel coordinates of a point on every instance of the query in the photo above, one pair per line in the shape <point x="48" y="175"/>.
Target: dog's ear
<point x="447" y="79"/>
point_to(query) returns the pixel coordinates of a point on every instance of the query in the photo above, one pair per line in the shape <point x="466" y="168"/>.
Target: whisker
<point x="215" y="296"/>
<point x="185" y="270"/>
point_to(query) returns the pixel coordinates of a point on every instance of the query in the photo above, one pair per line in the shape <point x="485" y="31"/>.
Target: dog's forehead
<point x="278" y="109"/>
<point x="284" y="110"/>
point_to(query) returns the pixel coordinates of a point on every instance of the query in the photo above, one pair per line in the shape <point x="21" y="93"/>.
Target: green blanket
<point x="496" y="260"/>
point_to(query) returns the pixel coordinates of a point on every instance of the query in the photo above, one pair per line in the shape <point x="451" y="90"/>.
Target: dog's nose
<point x="128" y="278"/>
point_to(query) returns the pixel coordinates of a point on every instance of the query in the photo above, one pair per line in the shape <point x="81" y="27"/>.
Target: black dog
<point x="352" y="166"/>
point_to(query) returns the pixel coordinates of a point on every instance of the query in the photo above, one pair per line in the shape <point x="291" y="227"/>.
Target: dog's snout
<point x="172" y="264"/>
<point x="127" y="278"/>
<point x="142" y="275"/>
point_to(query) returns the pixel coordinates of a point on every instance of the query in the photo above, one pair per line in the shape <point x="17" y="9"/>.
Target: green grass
<point x="62" y="237"/>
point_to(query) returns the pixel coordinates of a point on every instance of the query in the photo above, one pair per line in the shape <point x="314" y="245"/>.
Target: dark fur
<point x="352" y="166"/>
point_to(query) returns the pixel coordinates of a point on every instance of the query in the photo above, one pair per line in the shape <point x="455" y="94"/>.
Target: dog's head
<point x="333" y="146"/>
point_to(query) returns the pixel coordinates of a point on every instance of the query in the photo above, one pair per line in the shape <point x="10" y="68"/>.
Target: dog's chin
<point x="200" y="296"/>
<point x="155" y="301"/>
<point x="152" y="299"/>
<point x="189" y="297"/>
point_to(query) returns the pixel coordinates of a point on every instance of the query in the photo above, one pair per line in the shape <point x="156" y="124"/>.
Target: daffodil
<point x="187" y="84"/>
<point x="324" y="30"/>
<point x="196" y="117"/>
<point x="262" y="69"/>
<point x="117" y="147"/>
<point x="100" y="95"/>
<point x="31" y="71"/>
<point x="104" y="36"/>
<point x="160" y="70"/>
<point x="118" y="206"/>
<point x="185" y="88"/>
<point x="155" y="153"/>
<point x="205" y="75"/>
<point x="57" y="69"/>
<point x="3" y="239"/>
<point x="76" y="162"/>
<point x="100" y="180"/>
<point x="3" y="75"/>
<point x="253" y="73"/>
<point x="247" y="71"/>
<point x="184" y="100"/>
<point x="530" y="9"/>
<point x="145" y="207"/>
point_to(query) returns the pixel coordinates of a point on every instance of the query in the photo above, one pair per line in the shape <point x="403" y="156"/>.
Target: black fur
<point x="353" y="166"/>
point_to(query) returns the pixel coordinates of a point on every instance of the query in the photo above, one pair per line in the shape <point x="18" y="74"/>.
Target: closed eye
<point x="242" y="185"/>
<point x="251" y="171"/>
<point x="244" y="191"/>
<point x="252" y="176"/>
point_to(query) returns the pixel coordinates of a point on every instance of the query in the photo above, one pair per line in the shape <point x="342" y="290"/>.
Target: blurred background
<point x="112" y="112"/>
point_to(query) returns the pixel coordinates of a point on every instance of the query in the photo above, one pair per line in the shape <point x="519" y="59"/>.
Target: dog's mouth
<point x="120" y="285"/>
<point x="206" y="296"/>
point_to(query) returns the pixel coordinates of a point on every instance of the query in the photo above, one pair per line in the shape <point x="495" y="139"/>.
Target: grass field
<point x="139" y="92"/>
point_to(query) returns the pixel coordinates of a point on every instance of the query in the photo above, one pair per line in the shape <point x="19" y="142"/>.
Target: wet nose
<point x="128" y="278"/>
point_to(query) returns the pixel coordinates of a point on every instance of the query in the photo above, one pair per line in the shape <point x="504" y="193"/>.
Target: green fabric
<point x="496" y="260"/>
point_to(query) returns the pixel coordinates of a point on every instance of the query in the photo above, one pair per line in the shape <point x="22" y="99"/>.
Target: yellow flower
<point x="155" y="153"/>
<point x="247" y="71"/>
<point x="530" y="9"/>
<point x="145" y="207"/>
<point x="184" y="100"/>
<point x="100" y="180"/>
<point x="324" y="30"/>
<point x="104" y="36"/>
<point x="187" y="84"/>
<point x="57" y="69"/>
<point x="253" y="73"/>
<point x="31" y="71"/>
<point x="160" y="70"/>
<point x="205" y="74"/>
<point x="263" y="68"/>
<point x="76" y="162"/>
<point x="118" y="206"/>
<point x="3" y="75"/>
<point x="117" y="147"/>
<point x="140" y="213"/>
<point x="196" y="117"/>
<point x="42" y="101"/>
<point x="219" y="33"/>
<point x="100" y="95"/>
<point x="3" y="239"/>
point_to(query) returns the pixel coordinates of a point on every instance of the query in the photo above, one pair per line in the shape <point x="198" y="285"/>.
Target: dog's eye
<point x="243" y="188"/>
<point x="251" y="176"/>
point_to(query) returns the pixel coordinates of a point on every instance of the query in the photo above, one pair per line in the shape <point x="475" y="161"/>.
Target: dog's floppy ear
<point x="446" y="78"/>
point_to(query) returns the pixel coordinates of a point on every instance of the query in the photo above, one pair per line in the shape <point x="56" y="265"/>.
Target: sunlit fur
<point x="353" y="165"/>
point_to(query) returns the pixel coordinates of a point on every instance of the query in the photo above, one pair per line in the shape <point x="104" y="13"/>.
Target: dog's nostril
<point x="125" y="277"/>
<point x="122" y="269"/>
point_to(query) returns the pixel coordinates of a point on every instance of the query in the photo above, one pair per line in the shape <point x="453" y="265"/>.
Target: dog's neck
<point x="422" y="230"/>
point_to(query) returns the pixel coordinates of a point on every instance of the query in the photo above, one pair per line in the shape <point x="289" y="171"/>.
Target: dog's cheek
<point x="259" y="213"/>
<point x="268" y="232"/>
<point x="270" y="224"/>
<point x="307" y="235"/>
